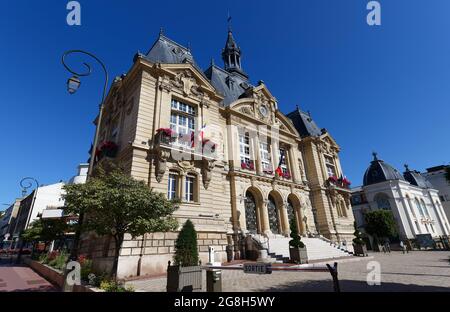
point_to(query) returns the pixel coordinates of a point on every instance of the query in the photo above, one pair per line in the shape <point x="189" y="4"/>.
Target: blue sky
<point x="380" y="88"/>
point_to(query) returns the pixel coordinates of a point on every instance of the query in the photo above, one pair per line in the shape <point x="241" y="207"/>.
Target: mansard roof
<point x="304" y="124"/>
<point x="231" y="85"/>
<point x="167" y="51"/>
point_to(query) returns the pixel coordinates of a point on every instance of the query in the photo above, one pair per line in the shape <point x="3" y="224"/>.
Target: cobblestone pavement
<point x="416" y="271"/>
<point x="21" y="279"/>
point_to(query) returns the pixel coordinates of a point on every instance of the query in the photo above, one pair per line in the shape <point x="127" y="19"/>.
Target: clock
<point x="263" y="110"/>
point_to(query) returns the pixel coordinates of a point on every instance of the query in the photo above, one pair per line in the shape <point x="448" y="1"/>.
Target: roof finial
<point x="189" y="46"/>
<point x="298" y="107"/>
<point x="212" y="62"/>
<point x="229" y="21"/>
<point x="406" y="167"/>
<point x="161" y="31"/>
<point x="375" y="156"/>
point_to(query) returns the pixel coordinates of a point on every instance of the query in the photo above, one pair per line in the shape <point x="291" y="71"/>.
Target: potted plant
<point x="359" y="246"/>
<point x="248" y="165"/>
<point x="186" y="273"/>
<point x="297" y="249"/>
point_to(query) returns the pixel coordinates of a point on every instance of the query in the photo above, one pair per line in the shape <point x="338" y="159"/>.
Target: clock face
<point x="263" y="110"/>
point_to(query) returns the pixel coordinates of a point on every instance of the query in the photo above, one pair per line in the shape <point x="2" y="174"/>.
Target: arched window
<point x="250" y="213"/>
<point x="382" y="201"/>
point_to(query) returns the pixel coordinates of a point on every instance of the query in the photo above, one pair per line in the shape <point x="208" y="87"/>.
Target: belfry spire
<point x="231" y="54"/>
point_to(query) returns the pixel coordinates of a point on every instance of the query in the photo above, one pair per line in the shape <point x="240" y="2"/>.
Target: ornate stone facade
<point x="239" y="165"/>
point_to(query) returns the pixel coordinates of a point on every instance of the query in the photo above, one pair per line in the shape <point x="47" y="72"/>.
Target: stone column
<point x="257" y="154"/>
<point x="292" y="165"/>
<point x="265" y="218"/>
<point x="284" y="220"/>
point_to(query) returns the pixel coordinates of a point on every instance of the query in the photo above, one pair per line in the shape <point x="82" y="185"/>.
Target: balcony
<point x="342" y="182"/>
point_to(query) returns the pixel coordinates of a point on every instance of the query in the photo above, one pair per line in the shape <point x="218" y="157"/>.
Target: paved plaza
<point x="21" y="278"/>
<point x="417" y="271"/>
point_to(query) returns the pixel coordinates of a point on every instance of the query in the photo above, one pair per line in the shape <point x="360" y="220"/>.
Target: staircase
<point x="317" y="248"/>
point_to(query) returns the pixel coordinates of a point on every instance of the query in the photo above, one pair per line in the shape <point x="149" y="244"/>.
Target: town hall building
<point x="240" y="166"/>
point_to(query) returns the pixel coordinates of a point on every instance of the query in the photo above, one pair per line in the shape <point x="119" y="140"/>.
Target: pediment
<point x="188" y="78"/>
<point x="328" y="139"/>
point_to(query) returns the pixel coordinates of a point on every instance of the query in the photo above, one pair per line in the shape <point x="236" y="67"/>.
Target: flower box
<point x="166" y="135"/>
<point x="248" y="166"/>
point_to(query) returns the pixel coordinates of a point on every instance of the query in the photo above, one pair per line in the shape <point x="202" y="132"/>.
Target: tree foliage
<point x="114" y="203"/>
<point x="186" y="251"/>
<point x="45" y="230"/>
<point x="296" y="239"/>
<point x="380" y="223"/>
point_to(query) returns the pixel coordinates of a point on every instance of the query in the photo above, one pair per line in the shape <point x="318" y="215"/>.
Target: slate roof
<point x="167" y="51"/>
<point x="304" y="124"/>
<point x="379" y="171"/>
<point x="231" y="85"/>
<point x="415" y="178"/>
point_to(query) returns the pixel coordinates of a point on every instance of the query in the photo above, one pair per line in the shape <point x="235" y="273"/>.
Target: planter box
<point x="359" y="250"/>
<point x="184" y="279"/>
<point x="298" y="255"/>
<point x="54" y="276"/>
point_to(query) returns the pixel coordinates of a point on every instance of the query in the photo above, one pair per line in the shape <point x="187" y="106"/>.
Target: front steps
<point x="317" y="249"/>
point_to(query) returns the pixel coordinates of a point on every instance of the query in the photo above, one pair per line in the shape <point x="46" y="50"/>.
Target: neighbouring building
<point x="436" y="176"/>
<point x="7" y="222"/>
<point x="45" y="201"/>
<point x="413" y="201"/>
<point x="221" y="144"/>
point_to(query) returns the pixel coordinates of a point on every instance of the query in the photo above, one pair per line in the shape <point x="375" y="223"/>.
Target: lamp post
<point x="73" y="84"/>
<point x="25" y="184"/>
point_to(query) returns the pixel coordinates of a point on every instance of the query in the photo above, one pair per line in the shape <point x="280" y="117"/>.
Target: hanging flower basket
<point x="333" y="179"/>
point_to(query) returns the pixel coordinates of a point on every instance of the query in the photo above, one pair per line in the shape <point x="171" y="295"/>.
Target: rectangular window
<point x="265" y="157"/>
<point x="172" y="186"/>
<point x="284" y="167"/>
<point x="182" y="121"/>
<point x="114" y="132"/>
<point x="244" y="148"/>
<point x="331" y="169"/>
<point x="189" y="191"/>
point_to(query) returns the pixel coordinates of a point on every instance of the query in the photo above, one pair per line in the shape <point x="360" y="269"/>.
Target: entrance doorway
<point x="273" y="216"/>
<point x="251" y="220"/>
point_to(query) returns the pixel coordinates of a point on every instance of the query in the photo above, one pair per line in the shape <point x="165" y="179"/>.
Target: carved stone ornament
<point x="184" y="80"/>
<point x="185" y="165"/>
<point x="207" y="167"/>
<point x="161" y="164"/>
<point x="247" y="110"/>
<point x="165" y="84"/>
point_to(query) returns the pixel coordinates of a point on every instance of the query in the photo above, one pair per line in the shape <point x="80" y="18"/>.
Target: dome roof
<point x="379" y="171"/>
<point x="415" y="178"/>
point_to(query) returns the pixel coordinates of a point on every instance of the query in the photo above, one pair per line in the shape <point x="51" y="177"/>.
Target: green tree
<point x="114" y="203"/>
<point x="380" y="223"/>
<point x="186" y="251"/>
<point x="296" y="239"/>
<point x="45" y="230"/>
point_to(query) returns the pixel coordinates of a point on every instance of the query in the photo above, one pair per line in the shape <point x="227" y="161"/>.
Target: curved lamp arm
<point x="26" y="183"/>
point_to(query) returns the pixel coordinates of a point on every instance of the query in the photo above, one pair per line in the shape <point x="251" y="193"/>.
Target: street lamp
<point x="25" y="184"/>
<point x="73" y="84"/>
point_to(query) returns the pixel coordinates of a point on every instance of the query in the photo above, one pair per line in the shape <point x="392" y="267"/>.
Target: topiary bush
<point x="296" y="239"/>
<point x="186" y="251"/>
<point x="358" y="240"/>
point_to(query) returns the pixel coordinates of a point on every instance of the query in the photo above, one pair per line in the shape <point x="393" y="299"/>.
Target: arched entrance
<point x="294" y="211"/>
<point x="274" y="219"/>
<point x="251" y="218"/>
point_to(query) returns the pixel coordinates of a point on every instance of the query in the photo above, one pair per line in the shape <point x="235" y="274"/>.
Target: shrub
<point x="296" y="240"/>
<point x="59" y="261"/>
<point x="112" y="286"/>
<point x="86" y="267"/>
<point x="186" y="252"/>
<point x="358" y="240"/>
